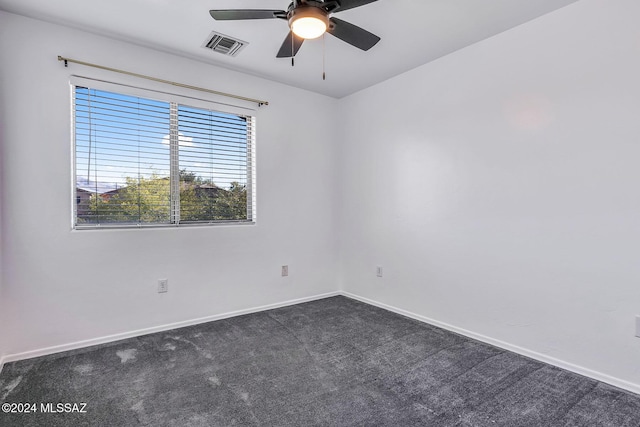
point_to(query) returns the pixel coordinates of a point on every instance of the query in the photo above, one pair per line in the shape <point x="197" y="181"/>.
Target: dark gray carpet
<point x="333" y="362"/>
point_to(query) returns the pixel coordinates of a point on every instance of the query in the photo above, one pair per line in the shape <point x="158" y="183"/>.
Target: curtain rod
<point x="155" y="79"/>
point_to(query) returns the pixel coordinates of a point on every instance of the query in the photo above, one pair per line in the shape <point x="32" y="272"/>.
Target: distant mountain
<point x="96" y="186"/>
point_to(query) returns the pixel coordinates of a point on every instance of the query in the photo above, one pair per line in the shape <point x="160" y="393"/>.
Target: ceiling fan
<point x="308" y="19"/>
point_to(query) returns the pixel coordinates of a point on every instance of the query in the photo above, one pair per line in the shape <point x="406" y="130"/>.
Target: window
<point x="142" y="161"/>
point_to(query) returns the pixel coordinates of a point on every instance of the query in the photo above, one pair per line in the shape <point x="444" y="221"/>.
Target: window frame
<point x="201" y="101"/>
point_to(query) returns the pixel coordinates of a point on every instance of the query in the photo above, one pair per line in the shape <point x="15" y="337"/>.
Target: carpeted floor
<point x="333" y="362"/>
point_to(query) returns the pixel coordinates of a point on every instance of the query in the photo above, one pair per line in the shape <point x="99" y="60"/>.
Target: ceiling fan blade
<point x="238" y="14"/>
<point x="350" y="4"/>
<point x="352" y="34"/>
<point x="285" y="49"/>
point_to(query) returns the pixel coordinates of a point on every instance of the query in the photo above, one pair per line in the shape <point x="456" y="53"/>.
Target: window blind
<point x="141" y="162"/>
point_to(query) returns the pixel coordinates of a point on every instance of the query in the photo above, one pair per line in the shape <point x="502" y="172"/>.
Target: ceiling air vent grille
<point x="223" y="44"/>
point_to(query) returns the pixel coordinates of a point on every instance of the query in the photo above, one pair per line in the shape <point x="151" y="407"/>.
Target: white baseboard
<point x="136" y="333"/>
<point x="599" y="376"/>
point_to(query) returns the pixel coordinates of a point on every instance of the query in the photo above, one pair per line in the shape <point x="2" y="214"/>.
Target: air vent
<point x="223" y="44"/>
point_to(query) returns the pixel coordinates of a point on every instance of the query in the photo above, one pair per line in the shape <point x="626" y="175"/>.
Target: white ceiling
<point x="413" y="33"/>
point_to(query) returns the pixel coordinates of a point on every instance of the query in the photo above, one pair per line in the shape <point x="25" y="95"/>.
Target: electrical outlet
<point x="285" y="270"/>
<point x="638" y="326"/>
<point x="163" y="285"/>
<point x="379" y="271"/>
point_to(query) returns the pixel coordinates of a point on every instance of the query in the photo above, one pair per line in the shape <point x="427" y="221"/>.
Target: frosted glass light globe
<point x="308" y="27"/>
<point x="308" y="22"/>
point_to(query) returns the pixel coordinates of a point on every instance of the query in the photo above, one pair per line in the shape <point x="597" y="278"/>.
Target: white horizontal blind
<point x="122" y="159"/>
<point x="213" y="165"/>
<point x="141" y="162"/>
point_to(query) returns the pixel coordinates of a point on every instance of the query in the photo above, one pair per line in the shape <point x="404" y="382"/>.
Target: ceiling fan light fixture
<point x="309" y="22"/>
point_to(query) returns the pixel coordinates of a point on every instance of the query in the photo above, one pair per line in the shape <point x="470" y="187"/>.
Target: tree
<point x="148" y="200"/>
<point x="142" y="200"/>
<point x="193" y="207"/>
<point x="232" y="204"/>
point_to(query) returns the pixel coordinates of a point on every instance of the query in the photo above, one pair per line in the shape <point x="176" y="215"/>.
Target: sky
<point x="120" y="136"/>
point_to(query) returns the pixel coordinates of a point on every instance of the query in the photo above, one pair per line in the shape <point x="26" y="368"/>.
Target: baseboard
<point x="599" y="376"/>
<point x="616" y="382"/>
<point x="136" y="333"/>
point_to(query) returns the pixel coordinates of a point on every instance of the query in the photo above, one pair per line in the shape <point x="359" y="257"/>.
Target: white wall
<point x="498" y="188"/>
<point x="3" y="309"/>
<point x="62" y="286"/>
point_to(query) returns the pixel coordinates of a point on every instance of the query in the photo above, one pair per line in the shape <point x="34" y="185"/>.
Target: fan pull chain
<point x="324" y="75"/>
